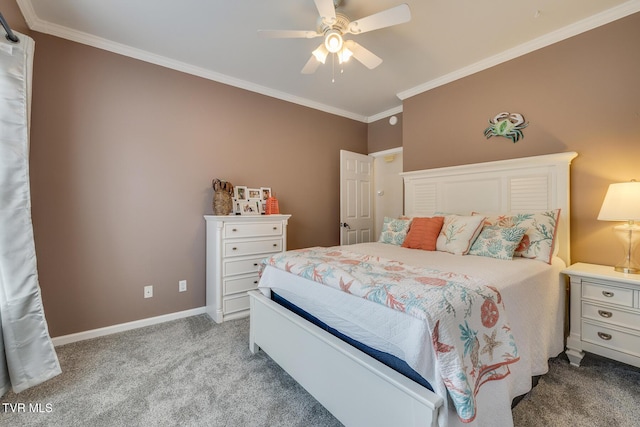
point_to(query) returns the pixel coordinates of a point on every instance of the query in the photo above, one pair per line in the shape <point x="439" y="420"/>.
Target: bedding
<point x="423" y="233"/>
<point x="458" y="233"/>
<point x="540" y="239"/>
<point x="536" y="328"/>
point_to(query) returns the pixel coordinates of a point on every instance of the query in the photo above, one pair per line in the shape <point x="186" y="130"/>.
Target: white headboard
<point x="525" y="184"/>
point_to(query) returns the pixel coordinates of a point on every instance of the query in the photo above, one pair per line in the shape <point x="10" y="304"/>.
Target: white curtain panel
<point x="27" y="356"/>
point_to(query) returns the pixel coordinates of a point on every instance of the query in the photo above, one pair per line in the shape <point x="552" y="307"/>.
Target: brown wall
<point x="122" y="157"/>
<point x="582" y="94"/>
<point x="123" y="152"/>
<point x="384" y="136"/>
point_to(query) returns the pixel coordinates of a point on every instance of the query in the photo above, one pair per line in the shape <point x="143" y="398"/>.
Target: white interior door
<point x="356" y="198"/>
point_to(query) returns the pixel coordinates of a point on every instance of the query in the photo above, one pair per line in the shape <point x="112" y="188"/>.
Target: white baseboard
<point x="108" y="330"/>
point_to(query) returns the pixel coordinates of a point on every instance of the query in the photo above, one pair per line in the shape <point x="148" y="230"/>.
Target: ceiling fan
<point x="334" y="25"/>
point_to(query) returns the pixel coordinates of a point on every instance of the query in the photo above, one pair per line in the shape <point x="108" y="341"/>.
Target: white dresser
<point x="604" y="314"/>
<point x="235" y="246"/>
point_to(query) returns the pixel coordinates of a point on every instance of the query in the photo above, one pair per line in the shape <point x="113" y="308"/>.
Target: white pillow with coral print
<point x="497" y="242"/>
<point x="539" y="241"/>
<point x="394" y="231"/>
<point x="458" y="233"/>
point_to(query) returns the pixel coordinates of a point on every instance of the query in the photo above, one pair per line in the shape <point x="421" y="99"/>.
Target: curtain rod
<point x="10" y="36"/>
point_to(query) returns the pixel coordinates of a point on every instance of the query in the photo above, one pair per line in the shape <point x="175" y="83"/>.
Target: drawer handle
<point x="234" y="229"/>
<point x="255" y="264"/>
<point x="234" y="249"/>
<point x="606" y="314"/>
<point x="275" y="228"/>
<point x="255" y="282"/>
<point x="275" y="245"/>
<point x="604" y="336"/>
<point x="607" y="294"/>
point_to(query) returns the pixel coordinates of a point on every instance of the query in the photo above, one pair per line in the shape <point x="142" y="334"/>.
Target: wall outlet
<point x="148" y="291"/>
<point x="182" y="286"/>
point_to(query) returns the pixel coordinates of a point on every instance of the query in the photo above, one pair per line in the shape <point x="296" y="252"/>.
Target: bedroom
<point x="109" y="176"/>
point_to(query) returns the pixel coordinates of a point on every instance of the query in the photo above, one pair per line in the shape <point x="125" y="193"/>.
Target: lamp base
<point x="627" y="270"/>
<point x="629" y="235"/>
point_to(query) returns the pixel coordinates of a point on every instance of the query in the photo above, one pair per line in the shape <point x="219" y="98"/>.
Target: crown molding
<point x="36" y="24"/>
<point x="610" y="15"/>
<point x="564" y="33"/>
<point x="385" y="114"/>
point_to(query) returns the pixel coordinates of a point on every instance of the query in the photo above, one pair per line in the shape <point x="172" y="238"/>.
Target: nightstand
<point x="604" y="314"/>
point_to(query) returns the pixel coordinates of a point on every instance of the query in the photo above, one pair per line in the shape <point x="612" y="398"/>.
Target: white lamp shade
<point x="621" y="203"/>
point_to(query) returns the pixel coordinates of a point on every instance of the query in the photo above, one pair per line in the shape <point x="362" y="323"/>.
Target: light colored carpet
<point x="193" y="372"/>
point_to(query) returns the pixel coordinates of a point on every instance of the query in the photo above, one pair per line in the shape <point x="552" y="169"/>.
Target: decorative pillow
<point x="458" y="233"/>
<point x="423" y="233"/>
<point x="497" y="242"/>
<point x="394" y="230"/>
<point x="539" y="240"/>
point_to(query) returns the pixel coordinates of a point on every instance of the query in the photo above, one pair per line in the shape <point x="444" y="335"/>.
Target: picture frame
<point x="254" y="193"/>
<point x="265" y="192"/>
<point x="240" y="193"/>
<point x="249" y="207"/>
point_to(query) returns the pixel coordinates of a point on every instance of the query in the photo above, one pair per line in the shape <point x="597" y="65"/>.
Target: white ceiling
<point x="218" y="40"/>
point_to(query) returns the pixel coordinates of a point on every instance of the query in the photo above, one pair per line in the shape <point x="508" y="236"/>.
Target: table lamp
<point x="622" y="203"/>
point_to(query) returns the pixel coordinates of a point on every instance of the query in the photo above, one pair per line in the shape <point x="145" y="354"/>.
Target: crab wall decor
<point x="505" y="124"/>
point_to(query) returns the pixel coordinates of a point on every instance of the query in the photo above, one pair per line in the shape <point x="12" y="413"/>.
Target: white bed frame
<point x="357" y="389"/>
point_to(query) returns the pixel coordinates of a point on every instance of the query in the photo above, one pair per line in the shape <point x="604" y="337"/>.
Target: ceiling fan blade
<point x="288" y="34"/>
<point x="386" y="18"/>
<point x="311" y="66"/>
<point x="365" y="56"/>
<point x="327" y="10"/>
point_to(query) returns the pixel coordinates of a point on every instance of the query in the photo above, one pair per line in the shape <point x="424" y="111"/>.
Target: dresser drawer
<point x="252" y="247"/>
<point x="236" y="303"/>
<point x="242" y="266"/>
<point x="610" y="315"/>
<point x="625" y="342"/>
<point x="241" y="284"/>
<point x="608" y="294"/>
<point x="251" y="229"/>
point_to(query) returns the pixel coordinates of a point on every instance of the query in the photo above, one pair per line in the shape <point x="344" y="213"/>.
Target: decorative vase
<point x="222" y="197"/>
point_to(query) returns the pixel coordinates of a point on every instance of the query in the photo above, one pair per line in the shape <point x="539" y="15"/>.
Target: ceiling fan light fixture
<point x="321" y="53"/>
<point x="333" y="41"/>
<point x="344" y="55"/>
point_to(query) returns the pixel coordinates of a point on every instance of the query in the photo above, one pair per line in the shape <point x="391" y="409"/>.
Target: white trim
<point x="610" y="15"/>
<point x="37" y="24"/>
<point x="579" y="27"/>
<point x="122" y="327"/>
<point x="385" y="114"/>
<point x="383" y="153"/>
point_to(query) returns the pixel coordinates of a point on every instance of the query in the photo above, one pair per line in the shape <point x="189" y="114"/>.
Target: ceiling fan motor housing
<point x="341" y="24"/>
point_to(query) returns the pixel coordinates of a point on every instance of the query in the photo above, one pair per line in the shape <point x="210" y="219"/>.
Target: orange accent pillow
<point x="423" y="233"/>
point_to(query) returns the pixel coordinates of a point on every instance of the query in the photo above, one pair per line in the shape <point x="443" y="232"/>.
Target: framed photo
<point x="254" y="193"/>
<point x="249" y="207"/>
<point x="240" y="193"/>
<point x="265" y="192"/>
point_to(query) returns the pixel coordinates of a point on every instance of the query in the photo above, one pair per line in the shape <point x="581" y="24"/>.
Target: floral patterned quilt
<point x="471" y="338"/>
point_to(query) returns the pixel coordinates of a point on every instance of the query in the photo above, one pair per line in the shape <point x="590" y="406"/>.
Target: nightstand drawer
<point x="610" y="315"/>
<point x="252" y="247"/>
<point x="253" y="229"/>
<point x="241" y="284"/>
<point x="243" y="266"/>
<point x="625" y="342"/>
<point x="608" y="294"/>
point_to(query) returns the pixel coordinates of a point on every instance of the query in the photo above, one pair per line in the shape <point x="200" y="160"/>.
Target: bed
<point x="353" y="383"/>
